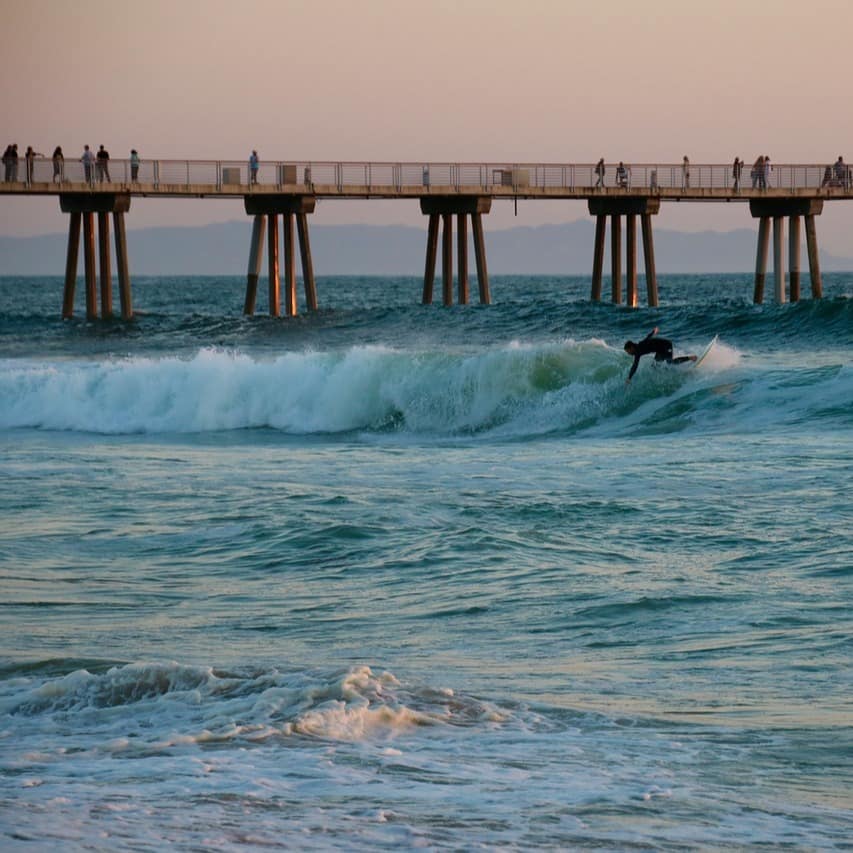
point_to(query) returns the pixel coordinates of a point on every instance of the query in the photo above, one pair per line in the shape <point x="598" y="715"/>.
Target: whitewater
<point x="393" y="576"/>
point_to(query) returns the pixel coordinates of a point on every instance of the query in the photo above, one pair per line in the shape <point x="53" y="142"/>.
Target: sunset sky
<point x="467" y="80"/>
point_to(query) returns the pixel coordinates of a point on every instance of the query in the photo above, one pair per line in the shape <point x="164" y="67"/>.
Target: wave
<point x="196" y="704"/>
<point x="507" y="391"/>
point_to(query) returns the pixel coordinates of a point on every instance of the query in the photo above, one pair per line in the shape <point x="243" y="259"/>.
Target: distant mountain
<point x="223" y="249"/>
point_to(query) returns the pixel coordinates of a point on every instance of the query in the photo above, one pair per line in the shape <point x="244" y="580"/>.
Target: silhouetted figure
<point x="29" y="159"/>
<point x="599" y="170"/>
<point x="88" y="160"/>
<point x="10" y="160"/>
<point x="103" y="158"/>
<point x="757" y="173"/>
<point x="58" y="164"/>
<point x="134" y="165"/>
<point x="661" y="347"/>
<point x="737" y="171"/>
<point x="841" y="171"/>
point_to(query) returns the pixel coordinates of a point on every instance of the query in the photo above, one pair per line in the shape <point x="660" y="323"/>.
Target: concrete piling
<point x="256" y="251"/>
<point x="462" y="257"/>
<point x="82" y="208"/>
<point x="89" y="265"/>
<point x="106" y="277"/>
<point x="631" y="259"/>
<point x="447" y="259"/>
<point x="814" y="260"/>
<point x="272" y="265"/>
<point x="289" y="266"/>
<point x="443" y="208"/>
<point x="630" y="208"/>
<point x="293" y="210"/>
<point x="124" y="293"/>
<point x="649" y="261"/>
<point x="779" y="259"/>
<point x="616" y="259"/>
<point x="794" y="258"/>
<point x="74" y="222"/>
<point x="777" y="209"/>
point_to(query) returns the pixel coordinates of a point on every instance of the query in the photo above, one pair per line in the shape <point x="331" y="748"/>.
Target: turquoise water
<point x="395" y="576"/>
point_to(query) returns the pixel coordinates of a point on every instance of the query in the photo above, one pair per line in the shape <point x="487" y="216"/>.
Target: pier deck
<point x="284" y="193"/>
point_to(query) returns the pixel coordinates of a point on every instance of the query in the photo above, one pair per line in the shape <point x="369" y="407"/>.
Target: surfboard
<point x="705" y="351"/>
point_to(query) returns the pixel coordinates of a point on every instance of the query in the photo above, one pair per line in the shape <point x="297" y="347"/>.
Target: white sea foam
<point x="509" y="391"/>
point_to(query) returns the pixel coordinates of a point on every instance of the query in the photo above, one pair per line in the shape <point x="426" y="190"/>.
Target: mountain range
<point x="223" y="249"/>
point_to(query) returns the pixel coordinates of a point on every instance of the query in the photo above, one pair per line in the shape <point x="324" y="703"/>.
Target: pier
<point x="281" y="195"/>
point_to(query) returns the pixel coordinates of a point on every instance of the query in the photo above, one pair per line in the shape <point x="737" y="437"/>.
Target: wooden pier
<point x="288" y="191"/>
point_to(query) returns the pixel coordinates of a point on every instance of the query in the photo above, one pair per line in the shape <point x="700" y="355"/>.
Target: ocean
<point x="394" y="576"/>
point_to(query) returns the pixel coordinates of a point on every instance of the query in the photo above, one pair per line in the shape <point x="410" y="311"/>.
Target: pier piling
<point x="125" y="297"/>
<point x="106" y="276"/>
<point x="462" y="259"/>
<point x="794" y="258"/>
<point x="616" y="259"/>
<point x="814" y="260"/>
<point x="779" y="259"/>
<point x="444" y="208"/>
<point x="777" y="209"/>
<point x="256" y="252"/>
<point x="82" y="208"/>
<point x="89" y="265"/>
<point x="292" y="209"/>
<point x="74" y="222"/>
<point x="447" y="258"/>
<point x="598" y="257"/>
<point x="274" y="283"/>
<point x="431" y="252"/>
<point x="649" y="259"/>
<point x="631" y="258"/>
<point x="630" y="208"/>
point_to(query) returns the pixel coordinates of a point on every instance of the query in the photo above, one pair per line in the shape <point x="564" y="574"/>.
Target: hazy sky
<point x="467" y="80"/>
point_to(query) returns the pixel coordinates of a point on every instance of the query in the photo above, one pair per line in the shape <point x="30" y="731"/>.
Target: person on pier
<point x="29" y="159"/>
<point x="841" y="172"/>
<point x="58" y="164"/>
<point x="661" y="347"/>
<point x="103" y="164"/>
<point x="10" y="161"/>
<point x="599" y="170"/>
<point x="88" y="160"/>
<point x="253" y="166"/>
<point x="685" y="173"/>
<point x="737" y="171"/>
<point x="621" y="176"/>
<point x="757" y="173"/>
<point x="134" y="165"/>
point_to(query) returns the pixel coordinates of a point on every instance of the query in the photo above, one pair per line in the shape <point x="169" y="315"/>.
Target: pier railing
<point x="389" y="177"/>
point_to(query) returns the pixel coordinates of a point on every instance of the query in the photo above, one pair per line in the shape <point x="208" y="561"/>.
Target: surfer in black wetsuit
<point x="661" y="347"/>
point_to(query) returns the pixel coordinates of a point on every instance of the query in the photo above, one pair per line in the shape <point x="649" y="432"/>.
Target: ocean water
<point x="393" y="576"/>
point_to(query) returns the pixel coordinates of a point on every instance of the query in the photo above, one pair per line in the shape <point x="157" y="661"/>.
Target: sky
<point x="556" y="81"/>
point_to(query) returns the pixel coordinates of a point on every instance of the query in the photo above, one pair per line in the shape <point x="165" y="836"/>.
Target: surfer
<point x="661" y="347"/>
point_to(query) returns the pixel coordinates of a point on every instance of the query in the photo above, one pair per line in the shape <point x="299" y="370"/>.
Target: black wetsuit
<point x="661" y="347"/>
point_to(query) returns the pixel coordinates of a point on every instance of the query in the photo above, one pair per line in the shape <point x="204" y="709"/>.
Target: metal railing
<point x="388" y="177"/>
